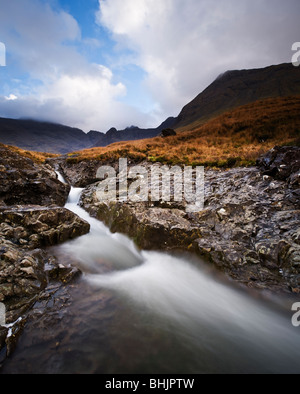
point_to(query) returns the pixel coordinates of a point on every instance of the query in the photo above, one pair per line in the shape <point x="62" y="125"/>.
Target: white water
<point x="99" y="246"/>
<point x="60" y="177"/>
<point x="212" y="317"/>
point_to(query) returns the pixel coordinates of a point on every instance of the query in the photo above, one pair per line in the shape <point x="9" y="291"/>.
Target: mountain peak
<point x="233" y="88"/>
<point x="240" y="87"/>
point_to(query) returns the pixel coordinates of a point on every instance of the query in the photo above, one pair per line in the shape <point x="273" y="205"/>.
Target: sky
<point x="97" y="64"/>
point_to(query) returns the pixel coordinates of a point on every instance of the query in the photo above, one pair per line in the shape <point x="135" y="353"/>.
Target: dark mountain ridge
<point x="132" y="133"/>
<point x="42" y="136"/>
<point x="230" y="90"/>
<point x="55" y="138"/>
<point x="236" y="88"/>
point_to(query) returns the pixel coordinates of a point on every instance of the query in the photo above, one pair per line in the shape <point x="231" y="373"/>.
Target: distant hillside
<point x="237" y="137"/>
<point x="55" y="138"/>
<point x="235" y="88"/>
<point x="132" y="133"/>
<point x="36" y="157"/>
<point x="42" y="136"/>
<point x="229" y="91"/>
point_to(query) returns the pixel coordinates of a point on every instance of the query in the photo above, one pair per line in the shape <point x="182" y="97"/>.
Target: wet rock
<point x="79" y="174"/>
<point x="250" y="223"/>
<point x="22" y="274"/>
<point x="282" y="163"/>
<point x="61" y="273"/>
<point x="13" y="336"/>
<point x="249" y="226"/>
<point x="26" y="229"/>
<point x="24" y="182"/>
<point x="35" y="226"/>
<point x="151" y="227"/>
<point x="3" y="336"/>
<point x="26" y="269"/>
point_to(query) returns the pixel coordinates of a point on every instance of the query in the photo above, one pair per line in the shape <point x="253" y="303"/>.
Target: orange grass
<point x="237" y="137"/>
<point x="38" y="157"/>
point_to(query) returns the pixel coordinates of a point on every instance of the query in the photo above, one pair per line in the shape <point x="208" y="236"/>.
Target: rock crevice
<point x="249" y="227"/>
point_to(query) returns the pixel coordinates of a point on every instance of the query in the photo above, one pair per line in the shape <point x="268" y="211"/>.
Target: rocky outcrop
<point x="22" y="278"/>
<point x="26" y="230"/>
<point x="282" y="163"/>
<point x="24" y="266"/>
<point x="23" y="181"/>
<point x="79" y="174"/>
<point x="34" y="226"/>
<point x="168" y="133"/>
<point x="249" y="227"/>
<point x="150" y="227"/>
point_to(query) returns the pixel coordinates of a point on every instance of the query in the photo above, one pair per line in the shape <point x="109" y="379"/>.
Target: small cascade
<point x="220" y="328"/>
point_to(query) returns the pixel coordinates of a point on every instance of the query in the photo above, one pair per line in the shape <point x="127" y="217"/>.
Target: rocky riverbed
<point x="26" y="230"/>
<point x="249" y="227"/>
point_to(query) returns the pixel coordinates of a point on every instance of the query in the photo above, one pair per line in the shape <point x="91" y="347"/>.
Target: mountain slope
<point x="55" y="138"/>
<point x="42" y="136"/>
<point x="228" y="91"/>
<point x="235" y="88"/>
<point x="132" y="133"/>
<point x="237" y="137"/>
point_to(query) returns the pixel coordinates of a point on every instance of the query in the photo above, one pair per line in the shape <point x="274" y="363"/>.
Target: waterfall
<point x="60" y="177"/>
<point x="217" y="319"/>
<point x="100" y="246"/>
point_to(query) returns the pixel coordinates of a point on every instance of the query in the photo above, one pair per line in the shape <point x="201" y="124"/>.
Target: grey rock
<point x="23" y="181"/>
<point x="249" y="226"/>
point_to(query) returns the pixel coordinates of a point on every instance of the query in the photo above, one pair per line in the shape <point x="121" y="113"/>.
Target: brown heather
<point x="37" y="157"/>
<point x="237" y="137"/>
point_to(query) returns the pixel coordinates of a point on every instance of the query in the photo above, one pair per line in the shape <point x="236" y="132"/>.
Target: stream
<point x="144" y="312"/>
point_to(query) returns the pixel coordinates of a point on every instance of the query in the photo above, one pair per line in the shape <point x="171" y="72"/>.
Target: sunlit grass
<point x="237" y="137"/>
<point x="38" y="157"/>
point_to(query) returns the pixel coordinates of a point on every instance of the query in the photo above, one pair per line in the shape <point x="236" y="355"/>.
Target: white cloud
<point x="11" y="97"/>
<point x="184" y="45"/>
<point x="34" y="35"/>
<point x="88" y="100"/>
<point x="61" y="85"/>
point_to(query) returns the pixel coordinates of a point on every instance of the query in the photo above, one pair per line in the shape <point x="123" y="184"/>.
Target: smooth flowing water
<point x="150" y="312"/>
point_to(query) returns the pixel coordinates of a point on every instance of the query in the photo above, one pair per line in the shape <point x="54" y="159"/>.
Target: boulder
<point x="79" y="174"/>
<point x="249" y="227"/>
<point x="35" y="226"/>
<point x="23" y="181"/>
<point x="168" y="133"/>
<point x="21" y="274"/>
<point x="25" y="266"/>
<point x="283" y="163"/>
<point x="151" y="227"/>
